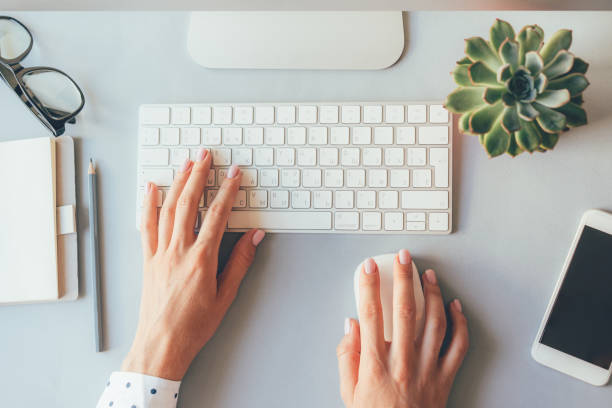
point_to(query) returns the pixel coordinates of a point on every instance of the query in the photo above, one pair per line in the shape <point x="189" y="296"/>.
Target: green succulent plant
<point x="516" y="92"/>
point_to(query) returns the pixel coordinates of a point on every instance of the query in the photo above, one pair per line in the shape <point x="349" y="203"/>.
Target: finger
<point x="166" y="216"/>
<point x="404" y="310"/>
<point x="187" y="205"/>
<point x="239" y="262"/>
<point x="148" y="222"/>
<point x="348" y="352"/>
<point x="370" y="310"/>
<point x="435" y="322"/>
<point x="218" y="212"/>
<point x="459" y="342"/>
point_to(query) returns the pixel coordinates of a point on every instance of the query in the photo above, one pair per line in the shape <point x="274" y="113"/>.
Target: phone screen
<point x="580" y="322"/>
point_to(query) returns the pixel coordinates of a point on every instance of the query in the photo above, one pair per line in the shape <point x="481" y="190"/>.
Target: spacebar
<point x="281" y="220"/>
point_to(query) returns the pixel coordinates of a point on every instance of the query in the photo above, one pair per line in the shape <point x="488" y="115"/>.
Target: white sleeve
<point x="134" y="390"/>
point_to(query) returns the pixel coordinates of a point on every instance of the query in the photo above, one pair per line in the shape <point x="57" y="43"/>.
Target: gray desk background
<point x="514" y="221"/>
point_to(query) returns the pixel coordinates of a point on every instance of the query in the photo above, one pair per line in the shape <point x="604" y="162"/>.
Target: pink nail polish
<point x="431" y="276"/>
<point x="370" y="266"/>
<point x="233" y="172"/>
<point x="404" y="256"/>
<point x="257" y="237"/>
<point x="202" y="154"/>
<point x="149" y="187"/>
<point x="186" y="165"/>
<point x="347" y="326"/>
<point x="457" y="305"/>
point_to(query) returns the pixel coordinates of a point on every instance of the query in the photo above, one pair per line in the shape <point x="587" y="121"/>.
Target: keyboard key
<point x="285" y="156"/>
<point x="290" y="178"/>
<point x="258" y="199"/>
<point x="344" y="199"/>
<point x="372" y="221"/>
<point x="372" y="156"/>
<point x="383" y="135"/>
<point x="280" y="220"/>
<point x="415" y="200"/>
<point x="433" y="135"/>
<point x="201" y="115"/>
<point x="328" y="156"/>
<point x="264" y="115"/>
<point x="388" y="199"/>
<point x="154" y="157"/>
<point x="169" y="136"/>
<point x="221" y="157"/>
<point x="210" y="181"/>
<point x="394" y="221"/>
<point x="221" y="175"/>
<point x="264" y="156"/>
<point x="311" y="178"/>
<point x="242" y="157"/>
<point x="178" y="156"/>
<point x="438" y="157"/>
<point x="300" y="199"/>
<point x="328" y="114"/>
<point x="322" y="199"/>
<point x="394" y="156"/>
<point x="417" y="156"/>
<point x="351" y="114"/>
<point x="268" y="178"/>
<point x="307" y="114"/>
<point x="274" y="136"/>
<point x="415" y="216"/>
<point x="296" y="135"/>
<point x="405" y="135"/>
<point x="241" y="199"/>
<point x="190" y="136"/>
<point x="377" y="178"/>
<point x="355" y="178"/>
<point x="243" y="115"/>
<point x="415" y="225"/>
<point x="421" y="178"/>
<point x="437" y="114"/>
<point x="160" y="177"/>
<point x="222" y="115"/>
<point x="438" y="221"/>
<point x="340" y="135"/>
<point x="279" y="199"/>
<point x="334" y="178"/>
<point x="344" y="220"/>
<point x="210" y="196"/>
<point x="181" y="115"/>
<point x="366" y="199"/>
<point x="417" y="114"/>
<point x="372" y="114"/>
<point x="285" y="115"/>
<point x="362" y="135"/>
<point x="232" y="136"/>
<point x="253" y="136"/>
<point x="149" y="136"/>
<point x="317" y="135"/>
<point x="306" y="156"/>
<point x="394" y="114"/>
<point x="211" y="136"/>
<point x="350" y="156"/>
<point x="155" y="115"/>
<point x="400" y="178"/>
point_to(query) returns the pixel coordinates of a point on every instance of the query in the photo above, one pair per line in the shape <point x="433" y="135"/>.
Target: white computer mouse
<point x="385" y="269"/>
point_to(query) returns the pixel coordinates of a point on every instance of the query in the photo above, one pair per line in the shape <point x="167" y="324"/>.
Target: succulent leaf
<point x="561" y="40"/>
<point x="521" y="86"/>
<point x="496" y="141"/>
<point x="530" y="39"/>
<point x="540" y="83"/>
<point x="483" y="119"/>
<point x="478" y="50"/>
<point x="510" y="120"/>
<point x="533" y="62"/>
<point x="465" y="61"/>
<point x="500" y="30"/>
<point x="549" y="120"/>
<point x="578" y="99"/>
<point x="492" y="95"/>
<point x="554" y="98"/>
<point x="560" y="64"/>
<point x="504" y="73"/>
<point x="574" y="83"/>
<point x="528" y="138"/>
<point x="508" y="99"/>
<point x="580" y="66"/>
<point x="514" y="149"/>
<point x="549" y="140"/>
<point x="464" y="122"/>
<point x="464" y="99"/>
<point x="509" y="53"/>
<point x="527" y="112"/>
<point x="576" y="116"/>
<point x="460" y="75"/>
<point x="480" y="74"/>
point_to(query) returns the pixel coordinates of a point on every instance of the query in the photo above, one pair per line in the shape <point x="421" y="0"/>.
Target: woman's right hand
<point x="406" y="372"/>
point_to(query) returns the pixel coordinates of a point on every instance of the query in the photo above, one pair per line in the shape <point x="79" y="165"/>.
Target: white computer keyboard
<point x="347" y="167"/>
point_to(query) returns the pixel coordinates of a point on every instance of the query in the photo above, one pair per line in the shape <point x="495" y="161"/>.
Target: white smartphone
<point x="575" y="336"/>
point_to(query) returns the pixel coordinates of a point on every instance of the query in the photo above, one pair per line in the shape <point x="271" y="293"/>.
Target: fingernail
<point x="185" y="166"/>
<point x="370" y="266"/>
<point x="431" y="276"/>
<point x="457" y="305"/>
<point x="202" y="154"/>
<point x="347" y="326"/>
<point x="233" y="171"/>
<point x="149" y="187"/>
<point x="404" y="256"/>
<point x="257" y="237"/>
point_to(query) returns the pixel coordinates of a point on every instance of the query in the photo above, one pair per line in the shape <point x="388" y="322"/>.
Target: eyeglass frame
<point x="12" y="73"/>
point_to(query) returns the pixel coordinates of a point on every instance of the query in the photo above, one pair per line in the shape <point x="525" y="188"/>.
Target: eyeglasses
<point x="49" y="93"/>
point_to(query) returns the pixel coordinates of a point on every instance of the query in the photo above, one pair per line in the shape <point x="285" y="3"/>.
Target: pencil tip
<point x="91" y="168"/>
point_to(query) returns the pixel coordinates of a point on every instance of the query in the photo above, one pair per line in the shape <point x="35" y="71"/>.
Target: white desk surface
<point x="514" y="221"/>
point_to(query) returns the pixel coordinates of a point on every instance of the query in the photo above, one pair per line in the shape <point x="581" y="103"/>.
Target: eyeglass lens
<point x="14" y="39"/>
<point x="55" y="92"/>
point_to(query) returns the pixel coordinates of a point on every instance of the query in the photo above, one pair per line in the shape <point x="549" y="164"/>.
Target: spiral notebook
<point x="38" y="240"/>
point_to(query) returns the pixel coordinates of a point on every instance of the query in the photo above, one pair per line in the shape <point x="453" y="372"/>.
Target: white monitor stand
<point x="296" y="39"/>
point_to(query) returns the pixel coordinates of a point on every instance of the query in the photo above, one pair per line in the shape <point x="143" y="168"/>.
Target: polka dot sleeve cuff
<point x="133" y="390"/>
